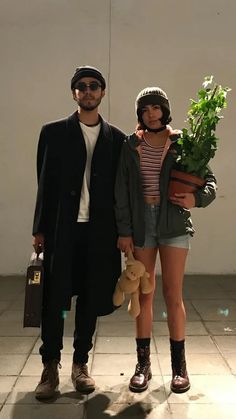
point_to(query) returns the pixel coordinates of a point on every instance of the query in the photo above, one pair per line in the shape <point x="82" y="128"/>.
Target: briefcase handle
<point x="38" y="252"/>
<point x="36" y="258"/>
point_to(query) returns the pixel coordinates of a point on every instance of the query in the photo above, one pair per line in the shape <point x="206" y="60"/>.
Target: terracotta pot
<point x="181" y="182"/>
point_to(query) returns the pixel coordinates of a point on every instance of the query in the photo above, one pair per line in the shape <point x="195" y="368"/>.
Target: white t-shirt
<point x="90" y="137"/>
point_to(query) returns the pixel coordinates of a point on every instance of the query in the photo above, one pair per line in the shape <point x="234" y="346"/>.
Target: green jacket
<point x="173" y="220"/>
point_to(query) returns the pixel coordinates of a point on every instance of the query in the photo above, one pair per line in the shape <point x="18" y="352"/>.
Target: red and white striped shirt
<point x="150" y="165"/>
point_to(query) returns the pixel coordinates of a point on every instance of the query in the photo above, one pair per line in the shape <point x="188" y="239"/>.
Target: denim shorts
<point x="151" y="239"/>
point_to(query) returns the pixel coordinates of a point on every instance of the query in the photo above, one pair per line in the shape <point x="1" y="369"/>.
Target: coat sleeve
<point x="205" y="195"/>
<point x="122" y="198"/>
<point x="42" y="153"/>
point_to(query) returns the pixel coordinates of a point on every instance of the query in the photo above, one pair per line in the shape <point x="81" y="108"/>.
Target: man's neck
<point x="88" y="117"/>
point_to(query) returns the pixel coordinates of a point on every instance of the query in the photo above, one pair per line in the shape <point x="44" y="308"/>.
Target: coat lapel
<point x="102" y="156"/>
<point x="75" y="145"/>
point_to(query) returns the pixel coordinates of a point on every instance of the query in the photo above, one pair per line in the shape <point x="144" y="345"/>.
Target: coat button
<point x="73" y="193"/>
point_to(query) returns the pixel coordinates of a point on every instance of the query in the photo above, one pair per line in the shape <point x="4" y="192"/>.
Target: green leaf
<point x="198" y="143"/>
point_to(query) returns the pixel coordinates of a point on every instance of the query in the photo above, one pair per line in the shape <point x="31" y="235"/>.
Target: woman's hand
<point x="38" y="242"/>
<point x="184" y="200"/>
<point x="125" y="244"/>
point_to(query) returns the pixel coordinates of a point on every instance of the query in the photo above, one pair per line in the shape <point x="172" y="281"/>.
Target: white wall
<point x="135" y="44"/>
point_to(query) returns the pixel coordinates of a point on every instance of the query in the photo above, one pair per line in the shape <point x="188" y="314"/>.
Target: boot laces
<point x="50" y="370"/>
<point x="82" y="370"/>
<point x="143" y="361"/>
<point x="179" y="364"/>
<point x="141" y="367"/>
<point x="180" y="370"/>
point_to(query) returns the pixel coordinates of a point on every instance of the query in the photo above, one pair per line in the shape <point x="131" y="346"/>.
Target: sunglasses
<point x="82" y="86"/>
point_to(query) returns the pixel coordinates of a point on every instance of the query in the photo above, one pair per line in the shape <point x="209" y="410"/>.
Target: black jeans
<point x="85" y="320"/>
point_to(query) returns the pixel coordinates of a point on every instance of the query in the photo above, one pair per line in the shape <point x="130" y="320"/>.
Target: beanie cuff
<point x="87" y="71"/>
<point x="152" y="99"/>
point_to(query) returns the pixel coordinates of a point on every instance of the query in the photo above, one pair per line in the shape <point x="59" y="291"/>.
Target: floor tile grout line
<point x="8" y="394"/>
<point x="159" y="365"/>
<point x="19" y="373"/>
<point x="209" y="334"/>
<point x="94" y="345"/>
<point x="222" y="355"/>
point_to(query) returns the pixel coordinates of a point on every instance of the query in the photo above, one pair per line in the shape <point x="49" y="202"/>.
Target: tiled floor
<point x="211" y="356"/>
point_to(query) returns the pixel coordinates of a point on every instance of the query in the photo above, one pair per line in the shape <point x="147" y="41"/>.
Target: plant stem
<point x="198" y="125"/>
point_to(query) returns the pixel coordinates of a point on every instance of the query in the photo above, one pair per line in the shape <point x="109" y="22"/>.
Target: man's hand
<point x="38" y="242"/>
<point x="125" y="244"/>
<point x="184" y="200"/>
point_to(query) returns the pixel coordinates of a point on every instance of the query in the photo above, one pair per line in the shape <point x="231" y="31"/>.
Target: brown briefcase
<point x="34" y="291"/>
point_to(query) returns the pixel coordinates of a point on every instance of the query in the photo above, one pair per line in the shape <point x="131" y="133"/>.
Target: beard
<point x="88" y="103"/>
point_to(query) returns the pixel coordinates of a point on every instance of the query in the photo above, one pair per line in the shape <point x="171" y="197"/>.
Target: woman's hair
<point x="153" y="96"/>
<point x="139" y="131"/>
<point x="165" y="119"/>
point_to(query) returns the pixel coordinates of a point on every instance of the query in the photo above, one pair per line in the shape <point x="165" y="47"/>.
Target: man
<point x="74" y="225"/>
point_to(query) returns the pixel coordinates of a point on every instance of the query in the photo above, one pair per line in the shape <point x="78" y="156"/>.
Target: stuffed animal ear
<point x="130" y="256"/>
<point x="129" y="262"/>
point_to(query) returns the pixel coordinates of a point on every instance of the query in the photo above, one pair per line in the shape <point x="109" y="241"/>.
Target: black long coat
<point x="61" y="163"/>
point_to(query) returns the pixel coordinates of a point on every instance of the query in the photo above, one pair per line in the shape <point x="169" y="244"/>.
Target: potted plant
<point x="197" y="143"/>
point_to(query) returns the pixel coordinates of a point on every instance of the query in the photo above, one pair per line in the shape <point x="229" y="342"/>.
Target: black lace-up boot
<point x="139" y="381"/>
<point x="180" y="381"/>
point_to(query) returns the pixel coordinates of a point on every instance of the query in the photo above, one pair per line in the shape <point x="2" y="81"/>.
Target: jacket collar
<point x="73" y="123"/>
<point x="134" y="141"/>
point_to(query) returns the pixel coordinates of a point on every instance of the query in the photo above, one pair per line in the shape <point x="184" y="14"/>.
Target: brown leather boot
<point x="48" y="385"/>
<point x="81" y="379"/>
<point x="180" y="381"/>
<point x="139" y="381"/>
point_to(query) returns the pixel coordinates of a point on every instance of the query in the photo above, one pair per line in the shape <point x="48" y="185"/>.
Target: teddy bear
<point x="133" y="280"/>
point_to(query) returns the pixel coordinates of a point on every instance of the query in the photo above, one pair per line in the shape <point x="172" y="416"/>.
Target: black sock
<point x="177" y="345"/>
<point x="143" y="342"/>
<point x="178" y="356"/>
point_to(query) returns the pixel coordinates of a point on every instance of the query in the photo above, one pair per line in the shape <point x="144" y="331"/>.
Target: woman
<point x="149" y="222"/>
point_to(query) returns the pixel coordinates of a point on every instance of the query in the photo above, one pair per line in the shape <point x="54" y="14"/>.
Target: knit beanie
<point x="87" y="71"/>
<point x="153" y="96"/>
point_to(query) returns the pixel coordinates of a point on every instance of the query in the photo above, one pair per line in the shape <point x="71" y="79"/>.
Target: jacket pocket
<point x="175" y="222"/>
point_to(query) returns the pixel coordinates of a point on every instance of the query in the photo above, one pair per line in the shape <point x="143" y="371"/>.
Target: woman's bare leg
<point x="172" y="265"/>
<point x="142" y="374"/>
<point x="144" y="321"/>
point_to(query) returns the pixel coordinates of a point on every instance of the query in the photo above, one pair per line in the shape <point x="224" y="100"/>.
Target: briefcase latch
<point x="36" y="278"/>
